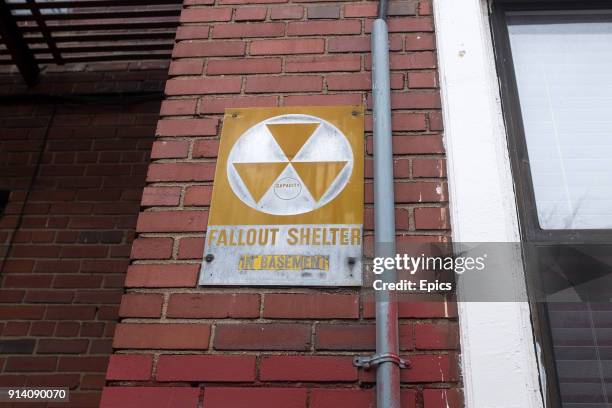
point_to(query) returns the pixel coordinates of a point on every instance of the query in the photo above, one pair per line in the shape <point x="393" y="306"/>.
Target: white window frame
<point x="499" y="362"/>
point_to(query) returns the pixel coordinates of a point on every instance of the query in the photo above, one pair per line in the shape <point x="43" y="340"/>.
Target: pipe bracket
<point x="377" y="359"/>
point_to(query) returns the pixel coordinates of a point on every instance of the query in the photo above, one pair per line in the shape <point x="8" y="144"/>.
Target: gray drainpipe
<point x="386" y="360"/>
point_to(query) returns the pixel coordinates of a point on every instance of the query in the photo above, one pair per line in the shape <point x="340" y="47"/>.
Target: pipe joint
<point x="378" y="359"/>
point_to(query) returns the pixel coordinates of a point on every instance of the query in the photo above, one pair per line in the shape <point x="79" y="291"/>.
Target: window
<point x="555" y="66"/>
<point x="562" y="64"/>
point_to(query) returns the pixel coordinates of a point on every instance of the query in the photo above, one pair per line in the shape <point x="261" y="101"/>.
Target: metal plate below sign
<point x="332" y="257"/>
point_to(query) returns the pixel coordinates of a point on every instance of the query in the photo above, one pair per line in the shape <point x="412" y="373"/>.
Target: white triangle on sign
<point x="326" y="144"/>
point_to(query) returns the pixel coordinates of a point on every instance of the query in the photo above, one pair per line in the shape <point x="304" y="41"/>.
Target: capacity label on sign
<point x="287" y="204"/>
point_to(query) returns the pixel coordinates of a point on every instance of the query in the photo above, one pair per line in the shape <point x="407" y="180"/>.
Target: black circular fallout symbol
<point x="290" y="164"/>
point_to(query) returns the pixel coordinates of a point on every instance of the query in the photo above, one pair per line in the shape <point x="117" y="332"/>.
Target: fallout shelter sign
<point x="287" y="205"/>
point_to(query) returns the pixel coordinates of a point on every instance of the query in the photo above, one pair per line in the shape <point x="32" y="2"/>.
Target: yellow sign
<point x="287" y="194"/>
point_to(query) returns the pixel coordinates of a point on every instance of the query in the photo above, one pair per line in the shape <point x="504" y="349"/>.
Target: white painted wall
<point x="499" y="362"/>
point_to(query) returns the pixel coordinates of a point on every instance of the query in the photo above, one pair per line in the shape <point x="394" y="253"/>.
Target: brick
<point x="152" y="196"/>
<point x="70" y="312"/>
<point x="437" y="336"/>
<point x="11" y="296"/>
<point x="141" y="305"/>
<point x="418" y="80"/>
<point x="198" y="195"/>
<point x="287" y="13"/>
<point x="42" y="328"/>
<point x="192" y="32"/>
<point x="152" y="248"/>
<point x="435" y="121"/>
<point x="428" y="168"/>
<point x="354" y="398"/>
<point x="67" y="329"/>
<point x="339" y="397"/>
<point x="203" y="86"/>
<point x="324" y="27"/>
<point x="431" y="368"/>
<point x="61" y="346"/>
<point x="425" y="8"/>
<point x="205" y="148"/>
<point x="83" y="364"/>
<point x="162" y="336"/>
<point x="191" y="248"/>
<point x="420" y="192"/>
<point x="333" y="336"/>
<point x="311" y="305"/>
<point x="415" y="100"/>
<point x="21" y="312"/>
<point x="186" y="49"/>
<point x="419" y="42"/>
<point x="152" y="397"/>
<point x="186" y="67"/>
<point x="291" y="47"/>
<point x="349" y="44"/>
<point x="27" y="281"/>
<point x="46" y="380"/>
<point x="413" y="60"/>
<point x="406" y="121"/>
<point x="344" y="82"/>
<point x="292" y="83"/>
<point x="402" y="8"/>
<point x="213" y="305"/>
<point x="442" y="398"/>
<point x="169" y="149"/>
<point x="410" y="24"/>
<point x="244" y="66"/>
<point x="251" y="1"/>
<point x="98" y="296"/>
<point x="162" y="276"/>
<point x="126" y="367"/>
<point x="17" y="346"/>
<point x="307" y="368"/>
<point x="172" y="107"/>
<point x="324" y="11"/>
<point x="361" y="10"/>
<point x="250" y="14"/>
<point x="218" y="368"/>
<point x="92" y="382"/>
<point x="187" y="127"/>
<point x="16" y="328"/>
<point x="324" y="64"/>
<point x="181" y="172"/>
<point x="262" y="336"/>
<point x="30" y="364"/>
<point x="205" y="15"/>
<point x="172" y="221"/>
<point x="323" y="100"/>
<point x="417" y="144"/>
<point x="431" y="218"/>
<point x="244" y="397"/>
<point x="213" y="104"/>
<point x="413" y="144"/>
<point x="247" y="30"/>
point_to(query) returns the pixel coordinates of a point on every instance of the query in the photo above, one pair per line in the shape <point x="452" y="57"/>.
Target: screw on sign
<point x="287" y="205"/>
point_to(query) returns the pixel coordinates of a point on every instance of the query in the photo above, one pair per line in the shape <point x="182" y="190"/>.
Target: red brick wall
<point x="76" y="172"/>
<point x="185" y="346"/>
